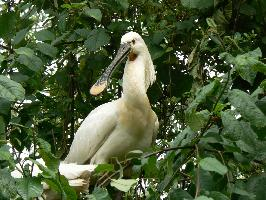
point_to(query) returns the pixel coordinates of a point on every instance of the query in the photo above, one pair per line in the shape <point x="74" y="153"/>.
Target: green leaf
<point x="25" y="51"/>
<point x="179" y="194"/>
<point x="60" y="184"/>
<point x="201" y="95"/>
<point x="47" y="49"/>
<point x="197" y="120"/>
<point x="44" y="35"/>
<point x="6" y="155"/>
<point x="94" y="13"/>
<point x="212" y="164"/>
<point x="247" y="10"/>
<point x="74" y="5"/>
<point x="7" y="185"/>
<point x="256" y="184"/>
<point x="29" y="187"/>
<point x="232" y="127"/>
<point x="245" y="105"/>
<point x="156" y="51"/>
<point x="211" y="23"/>
<point x="246" y="64"/>
<point x="2" y="58"/>
<point x="123" y="184"/>
<point x="202" y="197"/>
<point x="99" y="194"/>
<point x="259" y="67"/>
<point x="50" y="160"/>
<point x="243" y="192"/>
<point x="2" y="127"/>
<point x="20" y="36"/>
<point x="4" y="106"/>
<point x="260" y="103"/>
<point x="149" y="165"/>
<point x="218" y="196"/>
<point x="19" y="77"/>
<point x="33" y="62"/>
<point x="11" y="90"/>
<point x="183" y="138"/>
<point x="96" y="39"/>
<point x="123" y="3"/>
<point x="104" y="168"/>
<point x="7" y="22"/>
<point x="198" y="4"/>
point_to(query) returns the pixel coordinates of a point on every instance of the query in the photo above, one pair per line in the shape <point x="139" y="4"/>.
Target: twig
<point x="4" y="47"/>
<point x="223" y="90"/>
<point x="197" y="175"/>
<point x="168" y="149"/>
<point x="111" y="176"/>
<point x="190" y="154"/>
<point x="227" y="175"/>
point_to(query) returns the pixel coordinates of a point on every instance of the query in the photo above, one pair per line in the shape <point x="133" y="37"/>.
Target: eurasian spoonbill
<point x="128" y="123"/>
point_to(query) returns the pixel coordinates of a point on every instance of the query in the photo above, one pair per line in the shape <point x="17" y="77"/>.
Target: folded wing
<point x="92" y="133"/>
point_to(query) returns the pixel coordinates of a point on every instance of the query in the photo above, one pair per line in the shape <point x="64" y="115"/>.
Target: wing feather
<point x="92" y="133"/>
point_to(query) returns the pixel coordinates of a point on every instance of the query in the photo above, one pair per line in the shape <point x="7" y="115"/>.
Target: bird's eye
<point x="133" y="41"/>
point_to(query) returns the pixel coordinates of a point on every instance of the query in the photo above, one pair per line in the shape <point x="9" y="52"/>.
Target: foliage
<point x="209" y="95"/>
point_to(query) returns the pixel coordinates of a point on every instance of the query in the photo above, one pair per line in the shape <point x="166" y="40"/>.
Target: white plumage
<point x="115" y="128"/>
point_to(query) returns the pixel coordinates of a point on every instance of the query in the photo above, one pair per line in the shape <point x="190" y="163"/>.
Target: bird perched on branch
<point x="128" y="123"/>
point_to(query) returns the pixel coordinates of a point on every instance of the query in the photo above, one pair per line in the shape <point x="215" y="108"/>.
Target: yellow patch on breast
<point x="132" y="56"/>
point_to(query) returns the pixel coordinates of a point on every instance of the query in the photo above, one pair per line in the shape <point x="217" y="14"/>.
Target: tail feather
<point x="73" y="171"/>
<point x="78" y="178"/>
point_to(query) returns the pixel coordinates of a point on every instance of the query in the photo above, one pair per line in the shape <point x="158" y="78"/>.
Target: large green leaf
<point x="123" y="3"/>
<point x="27" y="58"/>
<point x="123" y="184"/>
<point x="99" y="194"/>
<point x="246" y="106"/>
<point x="44" y="35"/>
<point x="104" y="168"/>
<point x="25" y="51"/>
<point x="7" y="185"/>
<point x="246" y="64"/>
<point x="94" y="13"/>
<point x="5" y="155"/>
<point x="1" y="58"/>
<point x="212" y="164"/>
<point x="47" y="49"/>
<point x="4" y="106"/>
<point x="29" y="187"/>
<point x="2" y="126"/>
<point x="7" y="21"/>
<point x="198" y="4"/>
<point x="33" y="62"/>
<point x="96" y="39"/>
<point x="51" y="162"/>
<point x="202" y="197"/>
<point x="20" y="35"/>
<point x="256" y="184"/>
<point x="183" y="138"/>
<point x="179" y="194"/>
<point x="201" y="95"/>
<point x="11" y="90"/>
<point x="197" y="120"/>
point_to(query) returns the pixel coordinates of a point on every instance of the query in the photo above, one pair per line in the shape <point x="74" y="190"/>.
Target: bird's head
<point x="134" y="42"/>
<point x="131" y="46"/>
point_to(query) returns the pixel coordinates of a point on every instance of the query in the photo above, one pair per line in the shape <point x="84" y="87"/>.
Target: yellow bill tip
<point x="97" y="89"/>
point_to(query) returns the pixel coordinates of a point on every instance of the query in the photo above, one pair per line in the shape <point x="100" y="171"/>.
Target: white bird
<point x="118" y="127"/>
<point x="128" y="123"/>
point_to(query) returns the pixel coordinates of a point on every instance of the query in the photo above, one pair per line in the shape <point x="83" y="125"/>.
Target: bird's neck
<point x="134" y="91"/>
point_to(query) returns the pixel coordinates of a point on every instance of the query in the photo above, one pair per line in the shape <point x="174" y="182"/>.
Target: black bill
<point x="102" y="82"/>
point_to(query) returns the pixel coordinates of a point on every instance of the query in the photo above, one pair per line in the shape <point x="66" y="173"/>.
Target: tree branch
<point x="168" y="149"/>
